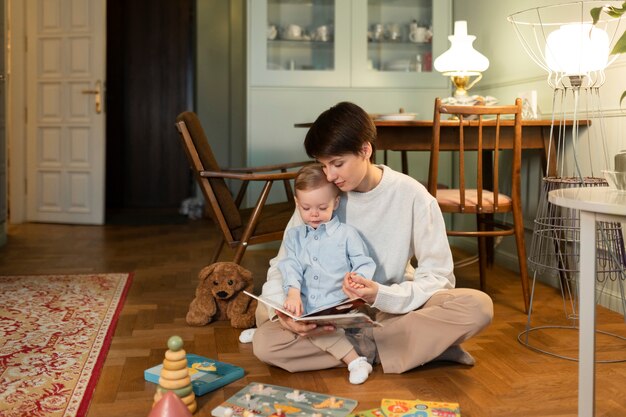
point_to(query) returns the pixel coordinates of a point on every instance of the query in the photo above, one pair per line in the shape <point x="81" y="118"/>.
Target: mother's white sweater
<point x="397" y="219"/>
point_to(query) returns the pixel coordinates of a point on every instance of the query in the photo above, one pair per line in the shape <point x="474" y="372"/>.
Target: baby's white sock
<point x="359" y="369"/>
<point x="246" y="335"/>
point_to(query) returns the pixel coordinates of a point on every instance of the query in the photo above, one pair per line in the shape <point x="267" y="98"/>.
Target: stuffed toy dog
<point x="219" y="296"/>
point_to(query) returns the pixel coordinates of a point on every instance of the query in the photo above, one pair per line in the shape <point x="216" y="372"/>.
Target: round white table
<point x="595" y="204"/>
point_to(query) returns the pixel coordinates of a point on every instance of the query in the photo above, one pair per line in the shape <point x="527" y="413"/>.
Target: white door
<point x="65" y="113"/>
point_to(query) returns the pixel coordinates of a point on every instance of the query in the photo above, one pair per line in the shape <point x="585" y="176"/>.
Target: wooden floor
<point x="507" y="380"/>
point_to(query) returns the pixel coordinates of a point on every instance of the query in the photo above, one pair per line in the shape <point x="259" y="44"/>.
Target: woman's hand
<point x="356" y="286"/>
<point x="300" y="328"/>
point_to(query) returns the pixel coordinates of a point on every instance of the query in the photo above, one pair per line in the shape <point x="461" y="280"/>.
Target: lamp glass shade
<point x="577" y="49"/>
<point x="461" y="59"/>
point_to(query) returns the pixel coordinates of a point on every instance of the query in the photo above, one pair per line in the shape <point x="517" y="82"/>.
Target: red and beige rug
<point x="55" y="331"/>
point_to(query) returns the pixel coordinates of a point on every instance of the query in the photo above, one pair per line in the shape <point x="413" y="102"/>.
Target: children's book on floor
<point x="419" y="408"/>
<point x="206" y="374"/>
<point x="341" y="315"/>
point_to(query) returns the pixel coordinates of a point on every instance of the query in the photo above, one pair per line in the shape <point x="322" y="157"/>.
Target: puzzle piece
<point x="329" y="403"/>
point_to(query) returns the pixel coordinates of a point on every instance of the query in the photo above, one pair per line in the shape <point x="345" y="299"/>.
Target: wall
<point x="512" y="71"/>
<point x="221" y="76"/>
<point x="280" y="140"/>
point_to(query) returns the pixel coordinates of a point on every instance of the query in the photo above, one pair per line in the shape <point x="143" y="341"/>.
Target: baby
<point x="319" y="254"/>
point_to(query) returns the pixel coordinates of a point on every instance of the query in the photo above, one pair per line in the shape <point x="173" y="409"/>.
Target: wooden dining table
<point x="415" y="135"/>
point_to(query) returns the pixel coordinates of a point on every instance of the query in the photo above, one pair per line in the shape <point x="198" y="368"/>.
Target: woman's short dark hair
<point x="342" y="129"/>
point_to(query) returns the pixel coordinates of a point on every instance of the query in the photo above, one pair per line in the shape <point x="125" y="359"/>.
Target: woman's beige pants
<point x="405" y="341"/>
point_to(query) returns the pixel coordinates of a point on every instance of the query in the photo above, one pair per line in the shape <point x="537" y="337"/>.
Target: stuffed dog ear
<point x="244" y="273"/>
<point x="203" y="275"/>
<point x="203" y="307"/>
<point x="207" y="271"/>
<point x="244" y="279"/>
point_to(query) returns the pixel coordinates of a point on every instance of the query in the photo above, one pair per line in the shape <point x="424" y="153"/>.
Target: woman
<point x="424" y="317"/>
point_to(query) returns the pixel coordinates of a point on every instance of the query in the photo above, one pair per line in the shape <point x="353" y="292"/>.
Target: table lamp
<point x="461" y="61"/>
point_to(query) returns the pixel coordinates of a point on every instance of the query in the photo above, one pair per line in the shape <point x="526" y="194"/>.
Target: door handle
<point x="97" y="95"/>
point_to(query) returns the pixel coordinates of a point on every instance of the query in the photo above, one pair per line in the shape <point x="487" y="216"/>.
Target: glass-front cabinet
<point x="347" y="43"/>
<point x="394" y="42"/>
<point x="300" y="42"/>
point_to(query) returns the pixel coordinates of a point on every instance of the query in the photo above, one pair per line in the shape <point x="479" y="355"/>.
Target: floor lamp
<point x="562" y="40"/>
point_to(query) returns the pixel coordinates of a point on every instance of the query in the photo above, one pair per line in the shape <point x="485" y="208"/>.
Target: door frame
<point x="3" y="129"/>
<point x="16" y="110"/>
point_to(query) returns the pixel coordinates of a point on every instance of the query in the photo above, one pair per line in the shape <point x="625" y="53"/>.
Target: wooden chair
<point x="484" y="200"/>
<point x="239" y="227"/>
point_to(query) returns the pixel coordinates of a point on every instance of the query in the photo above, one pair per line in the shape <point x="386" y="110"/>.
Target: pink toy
<point x="169" y="406"/>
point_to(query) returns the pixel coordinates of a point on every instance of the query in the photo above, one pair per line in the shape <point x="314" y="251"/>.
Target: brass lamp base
<point x="462" y="83"/>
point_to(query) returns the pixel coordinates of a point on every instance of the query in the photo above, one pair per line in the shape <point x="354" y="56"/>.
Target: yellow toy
<point x="174" y="376"/>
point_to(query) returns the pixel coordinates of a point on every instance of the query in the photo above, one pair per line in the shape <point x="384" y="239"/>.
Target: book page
<point x="342" y="307"/>
<point x="347" y="319"/>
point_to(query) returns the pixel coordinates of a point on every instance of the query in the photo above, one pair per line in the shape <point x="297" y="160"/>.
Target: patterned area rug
<point x="55" y="331"/>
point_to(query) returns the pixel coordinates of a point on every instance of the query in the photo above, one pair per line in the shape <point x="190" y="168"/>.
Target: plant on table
<point x="616" y="12"/>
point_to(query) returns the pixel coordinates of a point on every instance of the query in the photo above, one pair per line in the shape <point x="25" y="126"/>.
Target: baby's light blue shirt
<point x="318" y="259"/>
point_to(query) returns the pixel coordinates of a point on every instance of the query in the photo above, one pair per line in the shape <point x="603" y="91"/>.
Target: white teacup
<point x="293" y="31"/>
<point x="322" y="34"/>
<point x="393" y="32"/>
<point x="272" y="32"/>
<point x="418" y="34"/>
<point x="378" y="32"/>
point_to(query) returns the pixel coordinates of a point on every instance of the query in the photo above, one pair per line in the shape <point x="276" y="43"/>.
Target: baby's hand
<point x="352" y="283"/>
<point x="293" y="305"/>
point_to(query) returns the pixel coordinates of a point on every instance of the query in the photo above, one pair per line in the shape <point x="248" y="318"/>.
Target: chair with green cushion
<point x="239" y="227"/>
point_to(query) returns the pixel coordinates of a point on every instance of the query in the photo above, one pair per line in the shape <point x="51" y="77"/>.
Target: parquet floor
<point x="508" y="379"/>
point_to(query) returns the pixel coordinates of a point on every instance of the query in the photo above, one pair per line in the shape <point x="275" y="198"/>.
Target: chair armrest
<point x="266" y="168"/>
<point x="277" y="176"/>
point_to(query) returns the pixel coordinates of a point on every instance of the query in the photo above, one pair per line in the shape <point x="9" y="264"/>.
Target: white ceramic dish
<point x="397" y="116"/>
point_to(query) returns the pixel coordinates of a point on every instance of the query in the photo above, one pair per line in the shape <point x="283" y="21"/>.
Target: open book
<point x="341" y="315"/>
